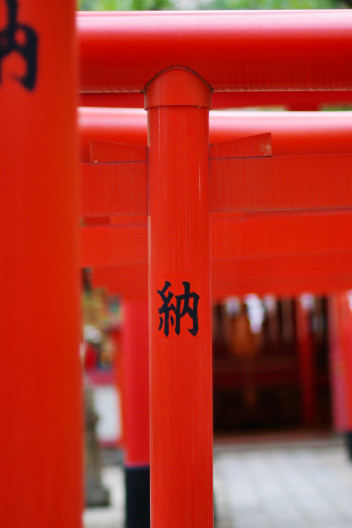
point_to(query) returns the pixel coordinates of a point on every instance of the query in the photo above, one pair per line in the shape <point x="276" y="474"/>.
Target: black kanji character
<point x="166" y="308"/>
<point x="183" y="300"/>
<point x="21" y="39"/>
<point x="171" y="313"/>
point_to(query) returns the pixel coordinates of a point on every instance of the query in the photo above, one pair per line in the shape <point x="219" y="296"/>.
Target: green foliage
<point x="132" y="5"/>
<point x="267" y="4"/>
<point x="124" y="5"/>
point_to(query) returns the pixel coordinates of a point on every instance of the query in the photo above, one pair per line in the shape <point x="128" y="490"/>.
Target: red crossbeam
<point x="281" y="183"/>
<point x="291" y="133"/>
<point x="236" y="184"/>
<point x="282" y="253"/>
<point x="302" y="100"/>
<point x="234" y="236"/>
<point x="232" y="51"/>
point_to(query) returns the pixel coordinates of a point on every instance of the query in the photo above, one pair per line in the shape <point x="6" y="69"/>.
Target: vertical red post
<point x="341" y="350"/>
<point x="337" y="368"/>
<point x="116" y="336"/>
<point x="135" y="351"/>
<point x="40" y="374"/>
<point x="306" y="359"/>
<point x="178" y="102"/>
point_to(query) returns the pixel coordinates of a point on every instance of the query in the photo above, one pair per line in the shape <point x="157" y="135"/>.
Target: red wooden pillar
<point x="178" y="101"/>
<point x="135" y="350"/>
<point x="116" y="336"/>
<point x="338" y="388"/>
<point x="306" y="359"/>
<point x="40" y="374"/>
<point x="341" y="363"/>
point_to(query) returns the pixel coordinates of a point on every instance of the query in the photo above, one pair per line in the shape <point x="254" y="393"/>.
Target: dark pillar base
<point x="348" y="443"/>
<point x="137" y="486"/>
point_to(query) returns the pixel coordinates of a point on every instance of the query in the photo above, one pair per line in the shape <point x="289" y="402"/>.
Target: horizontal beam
<point x="279" y="235"/>
<point x="281" y="183"/>
<point x="252" y="184"/>
<point x="233" y="50"/>
<point x="113" y="189"/>
<point x="284" y="276"/>
<point x="128" y="281"/>
<point x="123" y="245"/>
<point x="291" y="133"/>
<point x="233" y="236"/>
<point x="302" y="100"/>
<point x="263" y="253"/>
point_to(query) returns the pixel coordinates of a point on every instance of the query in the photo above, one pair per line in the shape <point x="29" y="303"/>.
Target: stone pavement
<point x="299" y="484"/>
<point x="285" y="485"/>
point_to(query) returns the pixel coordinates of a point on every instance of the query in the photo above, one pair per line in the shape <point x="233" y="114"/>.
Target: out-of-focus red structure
<point x="284" y="232"/>
<point x="40" y="375"/>
<point x="261" y="221"/>
<point x="261" y="205"/>
<point x="123" y="52"/>
<point x="303" y="100"/>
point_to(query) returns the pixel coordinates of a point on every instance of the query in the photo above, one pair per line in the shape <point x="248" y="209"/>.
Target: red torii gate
<point x="177" y="59"/>
<point x="178" y="67"/>
<point x="304" y="133"/>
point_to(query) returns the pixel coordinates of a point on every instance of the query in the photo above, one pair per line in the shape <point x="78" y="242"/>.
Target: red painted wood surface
<point x="112" y="245"/>
<point x="122" y="53"/>
<point x="302" y="100"/>
<point x="281" y="234"/>
<point x="179" y="252"/>
<point x="40" y="376"/>
<point x="284" y="276"/>
<point x="338" y="368"/>
<point x="234" y="236"/>
<point x="283" y="227"/>
<point x="135" y="359"/>
<point x="118" y="377"/>
<point x="117" y="152"/>
<point x="282" y="253"/>
<point x="257" y="145"/>
<point x="342" y="335"/>
<point x="110" y="189"/>
<point x="300" y="183"/>
<point x="129" y="281"/>
<point x="291" y="133"/>
<point x="341" y="365"/>
<point x="104" y="124"/>
<point x="306" y="361"/>
<point x="239" y="181"/>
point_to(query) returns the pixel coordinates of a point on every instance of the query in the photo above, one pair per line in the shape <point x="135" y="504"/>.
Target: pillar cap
<point x="177" y="86"/>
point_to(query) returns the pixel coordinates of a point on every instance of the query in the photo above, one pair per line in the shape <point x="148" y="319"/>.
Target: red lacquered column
<point x="179" y="301"/>
<point x="337" y="368"/>
<point x="40" y="374"/>
<point x="306" y="359"/>
<point x="135" y="350"/>
<point x="341" y="349"/>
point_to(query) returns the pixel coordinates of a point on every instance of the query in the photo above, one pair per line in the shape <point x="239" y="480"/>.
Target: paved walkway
<point x="284" y="485"/>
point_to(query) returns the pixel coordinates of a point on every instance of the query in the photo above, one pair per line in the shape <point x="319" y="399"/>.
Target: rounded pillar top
<point x="177" y="87"/>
